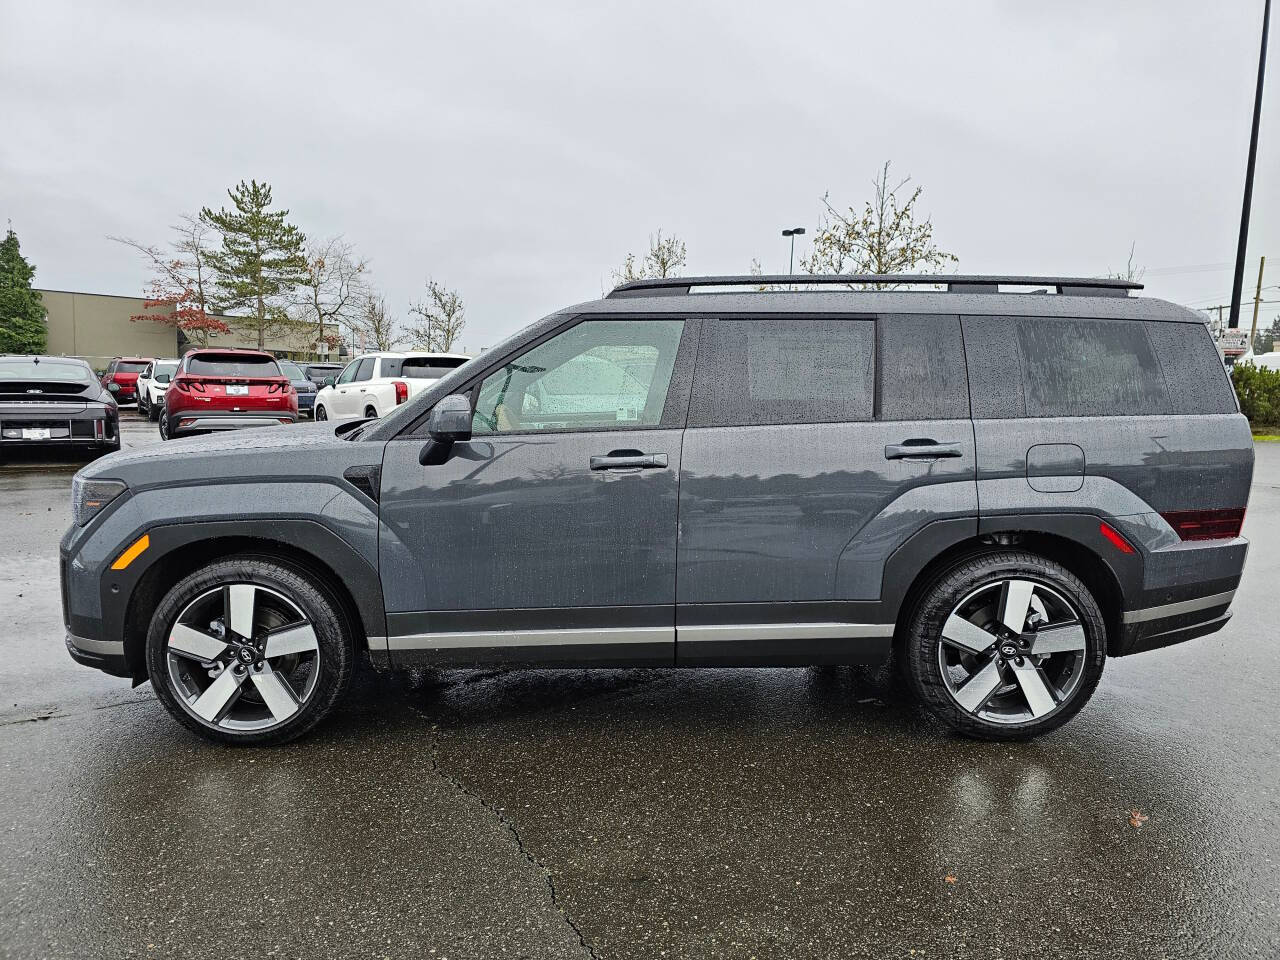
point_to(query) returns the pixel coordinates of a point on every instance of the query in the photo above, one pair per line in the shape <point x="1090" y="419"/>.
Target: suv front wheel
<point x="249" y="651"/>
<point x="1005" y="646"/>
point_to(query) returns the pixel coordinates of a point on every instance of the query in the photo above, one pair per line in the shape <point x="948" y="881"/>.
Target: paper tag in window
<point x="628" y="413"/>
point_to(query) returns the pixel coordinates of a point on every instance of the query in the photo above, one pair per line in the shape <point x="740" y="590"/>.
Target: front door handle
<point x="922" y="450"/>
<point x="629" y="460"/>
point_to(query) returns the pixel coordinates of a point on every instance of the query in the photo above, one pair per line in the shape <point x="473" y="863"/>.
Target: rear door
<point x="806" y="464"/>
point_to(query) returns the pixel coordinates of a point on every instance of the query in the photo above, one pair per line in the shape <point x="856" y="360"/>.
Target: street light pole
<point x="793" y="233"/>
<point x="1238" y="282"/>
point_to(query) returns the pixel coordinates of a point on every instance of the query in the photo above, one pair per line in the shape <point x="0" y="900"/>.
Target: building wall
<point x="96" y="327"/>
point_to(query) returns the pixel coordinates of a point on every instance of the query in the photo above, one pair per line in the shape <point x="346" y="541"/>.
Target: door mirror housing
<point x="450" y="419"/>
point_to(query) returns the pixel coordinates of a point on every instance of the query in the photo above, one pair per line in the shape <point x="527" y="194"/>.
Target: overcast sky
<point x="518" y="151"/>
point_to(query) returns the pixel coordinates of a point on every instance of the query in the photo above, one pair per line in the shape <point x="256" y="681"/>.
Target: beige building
<point x="97" y="327"/>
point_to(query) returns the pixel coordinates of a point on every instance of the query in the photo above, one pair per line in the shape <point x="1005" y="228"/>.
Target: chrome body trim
<point x="228" y="423"/>
<point x="99" y="648"/>
<point x="723" y="632"/>
<point x="1181" y="606"/>
<point x="530" y="638"/>
<point x="377" y="644"/>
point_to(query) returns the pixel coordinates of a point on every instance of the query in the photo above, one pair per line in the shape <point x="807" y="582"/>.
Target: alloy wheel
<point x="319" y="413"/>
<point x="1012" y="651"/>
<point x="243" y="657"/>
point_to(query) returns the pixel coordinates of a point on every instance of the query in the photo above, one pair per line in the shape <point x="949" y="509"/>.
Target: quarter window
<point x="776" y="370"/>
<point x="599" y="374"/>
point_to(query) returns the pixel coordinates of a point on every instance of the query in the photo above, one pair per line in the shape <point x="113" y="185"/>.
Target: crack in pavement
<point x="515" y="834"/>
<point x="54" y="715"/>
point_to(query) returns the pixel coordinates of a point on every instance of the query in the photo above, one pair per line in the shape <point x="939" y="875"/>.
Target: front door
<point x="806" y="464"/>
<point x="551" y="535"/>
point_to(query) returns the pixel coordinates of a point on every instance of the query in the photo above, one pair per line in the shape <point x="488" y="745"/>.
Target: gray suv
<point x="1002" y="488"/>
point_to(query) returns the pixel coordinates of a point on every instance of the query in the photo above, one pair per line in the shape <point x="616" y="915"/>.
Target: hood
<point x="269" y="453"/>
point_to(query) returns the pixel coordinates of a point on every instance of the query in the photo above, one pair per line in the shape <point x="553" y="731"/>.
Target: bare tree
<point x="335" y="290"/>
<point x="666" y="258"/>
<point x="1131" y="271"/>
<point x="884" y="238"/>
<point x="376" y="324"/>
<point x="182" y="280"/>
<point x="440" y="319"/>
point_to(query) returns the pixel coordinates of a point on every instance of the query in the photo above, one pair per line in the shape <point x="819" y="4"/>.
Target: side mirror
<point x="448" y="423"/>
<point x="450" y="420"/>
<point x="329" y="381"/>
<point x="113" y="387"/>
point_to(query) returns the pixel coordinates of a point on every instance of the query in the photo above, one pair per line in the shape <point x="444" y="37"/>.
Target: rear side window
<point x="365" y="370"/>
<point x="1193" y="371"/>
<point x="231" y="365"/>
<point x="420" y="368"/>
<point x="921" y="368"/>
<point x="783" y="370"/>
<point x="1050" y="367"/>
<point x="1089" y="368"/>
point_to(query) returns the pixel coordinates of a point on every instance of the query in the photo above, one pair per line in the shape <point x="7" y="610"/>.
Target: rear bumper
<point x="204" y="421"/>
<point x="93" y="425"/>
<point x="1151" y="628"/>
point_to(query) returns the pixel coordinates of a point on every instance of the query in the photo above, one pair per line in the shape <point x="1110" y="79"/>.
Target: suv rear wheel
<point x="1005" y="646"/>
<point x="249" y="651"/>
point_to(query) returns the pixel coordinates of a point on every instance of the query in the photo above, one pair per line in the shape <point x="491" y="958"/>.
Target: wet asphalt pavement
<point x="638" y="813"/>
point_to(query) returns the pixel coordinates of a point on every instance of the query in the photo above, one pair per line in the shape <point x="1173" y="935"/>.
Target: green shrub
<point x="1259" y="393"/>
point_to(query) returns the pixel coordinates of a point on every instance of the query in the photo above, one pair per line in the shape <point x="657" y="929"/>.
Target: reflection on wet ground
<point x="645" y="813"/>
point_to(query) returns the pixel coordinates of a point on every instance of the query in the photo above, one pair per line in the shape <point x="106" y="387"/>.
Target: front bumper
<point x="105" y="655"/>
<point x="306" y="401"/>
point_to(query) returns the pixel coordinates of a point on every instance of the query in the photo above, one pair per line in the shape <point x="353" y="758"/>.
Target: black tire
<point x="334" y="659"/>
<point x="370" y="413"/>
<point x="153" y="412"/>
<point x="923" y="657"/>
<point x="164" y="425"/>
<point x="319" y="413"/>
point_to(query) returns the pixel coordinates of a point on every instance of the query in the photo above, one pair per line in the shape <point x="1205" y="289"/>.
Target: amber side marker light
<point x="132" y="553"/>
<point x="1117" y="541"/>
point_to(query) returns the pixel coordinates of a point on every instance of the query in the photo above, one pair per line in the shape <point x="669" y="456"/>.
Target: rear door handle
<point x="922" y="450"/>
<point x="629" y="460"/>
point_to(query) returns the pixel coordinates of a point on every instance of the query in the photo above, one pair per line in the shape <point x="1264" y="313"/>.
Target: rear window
<point x="129" y="366"/>
<point x="1193" y="371"/>
<point x="231" y="365"/>
<point x="44" y="370"/>
<point x="773" y="371"/>
<point x="420" y="368"/>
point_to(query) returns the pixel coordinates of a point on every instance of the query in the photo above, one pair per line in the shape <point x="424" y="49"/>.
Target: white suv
<point x="153" y="384"/>
<point x="375" y="383"/>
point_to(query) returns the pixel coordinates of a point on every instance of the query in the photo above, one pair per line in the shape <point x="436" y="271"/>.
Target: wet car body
<point x="55" y="401"/>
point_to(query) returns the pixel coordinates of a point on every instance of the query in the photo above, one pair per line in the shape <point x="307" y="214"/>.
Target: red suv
<point x="121" y="378"/>
<point x="225" y="389"/>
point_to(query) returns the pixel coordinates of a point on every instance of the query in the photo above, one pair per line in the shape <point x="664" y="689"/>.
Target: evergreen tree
<point x="22" y="312"/>
<point x="261" y="261"/>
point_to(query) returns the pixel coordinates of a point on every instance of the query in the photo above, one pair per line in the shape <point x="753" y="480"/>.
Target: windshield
<point x="231" y="365"/>
<point x="291" y="370"/>
<point x="131" y="366"/>
<point x="62" y="370"/>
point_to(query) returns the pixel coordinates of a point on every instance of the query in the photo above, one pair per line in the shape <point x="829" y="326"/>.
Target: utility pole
<point x="1238" y="282"/>
<point x="1257" y="300"/>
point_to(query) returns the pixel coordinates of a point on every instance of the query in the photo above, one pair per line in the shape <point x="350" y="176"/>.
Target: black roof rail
<point x="1069" y="286"/>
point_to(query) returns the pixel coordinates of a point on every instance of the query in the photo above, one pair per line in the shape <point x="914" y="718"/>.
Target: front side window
<point x="599" y="374"/>
<point x="783" y="370"/>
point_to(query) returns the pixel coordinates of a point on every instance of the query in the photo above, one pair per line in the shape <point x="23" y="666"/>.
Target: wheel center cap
<point x="1008" y="650"/>
<point x="246" y="655"/>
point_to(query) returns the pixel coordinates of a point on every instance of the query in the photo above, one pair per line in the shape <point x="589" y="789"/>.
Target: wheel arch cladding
<point x="343" y="574"/>
<point x="1083" y="562"/>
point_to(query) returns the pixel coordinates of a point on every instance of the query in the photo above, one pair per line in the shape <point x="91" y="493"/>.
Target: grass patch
<point x="1266" y="434"/>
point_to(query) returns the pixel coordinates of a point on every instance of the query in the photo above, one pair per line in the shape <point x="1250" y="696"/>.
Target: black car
<point x="55" y="401"/>
<point x="317" y="373"/>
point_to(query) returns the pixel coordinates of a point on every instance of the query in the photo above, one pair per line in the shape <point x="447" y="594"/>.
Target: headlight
<point x="88" y="497"/>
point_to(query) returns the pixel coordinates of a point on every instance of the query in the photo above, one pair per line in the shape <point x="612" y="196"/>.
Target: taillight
<point x="402" y="391"/>
<point x="1206" y="524"/>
